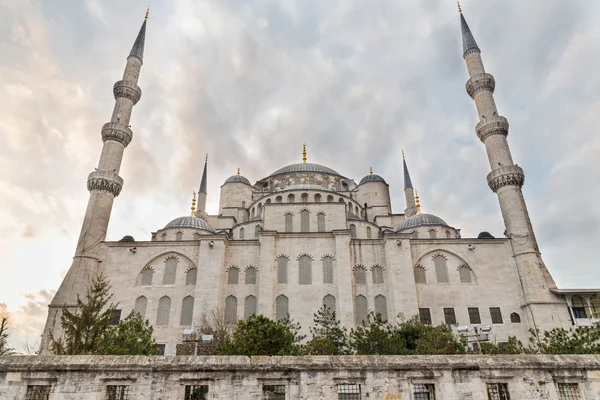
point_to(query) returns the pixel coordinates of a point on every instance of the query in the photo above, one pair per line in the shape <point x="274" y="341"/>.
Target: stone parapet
<point x="118" y="132"/>
<point x="128" y="90"/>
<point x="480" y="82"/>
<point x="105" y="181"/>
<point x="495" y="125"/>
<point x="503" y="176"/>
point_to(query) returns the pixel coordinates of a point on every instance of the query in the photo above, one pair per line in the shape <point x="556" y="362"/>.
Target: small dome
<point x="302" y="187"/>
<point x="305" y="167"/>
<point x="127" y="238"/>
<point x="421" y="220"/>
<point x="372" y="178"/>
<point x="238" y="179"/>
<point x="485" y="235"/>
<point x="353" y="216"/>
<point x="190" y="222"/>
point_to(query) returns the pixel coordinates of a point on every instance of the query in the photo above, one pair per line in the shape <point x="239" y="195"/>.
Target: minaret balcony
<point x="504" y="176"/>
<point x="495" y="125"/>
<point x="118" y="132"/>
<point x="105" y="181"/>
<point x="480" y="82"/>
<point x="128" y="90"/>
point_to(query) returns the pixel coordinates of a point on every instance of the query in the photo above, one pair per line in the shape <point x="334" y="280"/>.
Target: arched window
<point x="311" y="180"/>
<point x="282" y="310"/>
<point x="259" y="210"/>
<point x="256" y="231"/>
<point x="289" y="223"/>
<point x="163" y="237"/>
<point x="414" y="235"/>
<point x="361" y="309"/>
<point x="284" y="182"/>
<point x="250" y="304"/>
<point x="327" y="269"/>
<point x="515" y="318"/>
<point x="321" y="222"/>
<point x="233" y="276"/>
<point x="341" y="200"/>
<point x="191" y="276"/>
<point x="326" y="184"/>
<point x="356" y="210"/>
<point x="250" y="278"/>
<point x="282" y="269"/>
<point x="242" y="233"/>
<point x="360" y="275"/>
<point x="304" y="197"/>
<point x="368" y="232"/>
<point x="231" y="309"/>
<point x="268" y="201"/>
<point x="278" y="199"/>
<point x="432" y="234"/>
<point x="595" y="303"/>
<point x="330" y="199"/>
<point x="140" y="306"/>
<point x="329" y="302"/>
<point x="196" y="236"/>
<point x="381" y="306"/>
<point x="304" y="221"/>
<point x="352" y="231"/>
<point x="317" y="198"/>
<point x="170" y="271"/>
<point x="420" y="275"/>
<point x="291" y="198"/>
<point x="164" y="309"/>
<point x="187" y="310"/>
<point x="377" y="275"/>
<point x="243" y="204"/>
<point x="147" y="275"/>
<point x="441" y="268"/>
<point x="338" y="185"/>
<point x="448" y="235"/>
<point x="579" y="307"/>
<point x="464" y="273"/>
<point x="179" y="236"/>
<point x="304" y="270"/>
<point x="252" y="213"/>
<point x="297" y="180"/>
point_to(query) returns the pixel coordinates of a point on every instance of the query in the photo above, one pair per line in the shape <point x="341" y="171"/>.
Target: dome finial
<point x="418" y="202"/>
<point x="459" y="8"/>
<point x="238" y="171"/>
<point x="370" y="170"/>
<point x="403" y="155"/>
<point x="147" y="13"/>
<point x="193" y="205"/>
<point x="304" y="153"/>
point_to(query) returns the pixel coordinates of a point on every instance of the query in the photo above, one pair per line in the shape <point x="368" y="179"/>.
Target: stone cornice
<point x="495" y="125"/>
<point x="128" y="90"/>
<point x="105" y="181"/>
<point x="118" y="132"/>
<point x="504" y="176"/>
<point x="479" y="83"/>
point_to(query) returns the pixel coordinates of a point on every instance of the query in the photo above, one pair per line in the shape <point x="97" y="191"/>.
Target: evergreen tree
<point x="132" y="336"/>
<point x="376" y="337"/>
<point x="328" y="338"/>
<point x="4" y="349"/>
<point x="581" y="340"/>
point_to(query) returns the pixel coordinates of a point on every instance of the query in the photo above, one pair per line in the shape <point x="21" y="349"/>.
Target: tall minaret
<point x="202" y="193"/>
<point x="409" y="192"/>
<point x="104" y="184"/>
<point x="506" y="180"/>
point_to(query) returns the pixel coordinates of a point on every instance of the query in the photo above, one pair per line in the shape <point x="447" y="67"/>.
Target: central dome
<point x="305" y="167"/>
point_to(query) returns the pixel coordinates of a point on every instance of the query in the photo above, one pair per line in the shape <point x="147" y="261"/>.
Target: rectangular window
<point x="196" y="392"/>
<point x="38" y="392"/>
<point x="425" y="316"/>
<point x="579" y="312"/>
<point x="348" y="392"/>
<point x="117" y="392"/>
<point x="273" y="392"/>
<point x="496" y="315"/>
<point x="498" y="391"/>
<point x="474" y="316"/>
<point x="568" y="391"/>
<point x="115" y="317"/>
<point x="160" y="349"/>
<point x="449" y="316"/>
<point x="424" y="391"/>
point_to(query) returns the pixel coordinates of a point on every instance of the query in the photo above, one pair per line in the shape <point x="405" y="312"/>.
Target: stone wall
<point x="377" y="377"/>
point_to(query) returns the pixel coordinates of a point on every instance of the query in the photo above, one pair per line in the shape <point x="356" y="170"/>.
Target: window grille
<point x="278" y="199"/>
<point x="191" y="276"/>
<point x="250" y="304"/>
<point x="425" y="316"/>
<point x="161" y="349"/>
<point x="170" y="271"/>
<point x="115" y="317"/>
<point x="498" y="391"/>
<point x="420" y="275"/>
<point x="360" y="275"/>
<point x="250" y="276"/>
<point x="568" y="391"/>
<point x="187" y="311"/>
<point x="377" y="272"/>
<point x="282" y="269"/>
<point x="449" y="316"/>
<point x="140" y="306"/>
<point x="317" y="198"/>
<point x="282" y="310"/>
<point x="256" y="231"/>
<point x="291" y="198"/>
<point x="515" y="318"/>
<point x="242" y="233"/>
<point x="196" y="392"/>
<point x="348" y="391"/>
<point x="164" y="309"/>
<point x="369" y="232"/>
<point x="304" y="197"/>
<point x="147" y="275"/>
<point x="117" y="392"/>
<point x="289" y="223"/>
<point x="432" y="234"/>
<point x="231" y="309"/>
<point x="496" y="315"/>
<point x="579" y="307"/>
<point x="361" y="309"/>
<point x="329" y="302"/>
<point x="381" y="306"/>
<point x="424" y="391"/>
<point x="441" y="269"/>
<point x="352" y="230"/>
<point x="304" y="221"/>
<point x="327" y="269"/>
<point x="321" y="222"/>
<point x="304" y="270"/>
<point x="37" y="392"/>
<point x="273" y="392"/>
<point x="233" y="275"/>
<point x="179" y="236"/>
<point x="474" y="317"/>
<point x="330" y="199"/>
<point x="464" y="273"/>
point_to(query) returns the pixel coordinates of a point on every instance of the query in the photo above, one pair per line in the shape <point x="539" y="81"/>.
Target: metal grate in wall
<point x="361" y="309"/>
<point x="170" y="271"/>
<point x="498" y="391"/>
<point x="164" y="309"/>
<point x="196" y="392"/>
<point x="117" y="392"/>
<point x="37" y="392"/>
<point x="231" y="309"/>
<point x="348" y="392"/>
<point x="233" y="275"/>
<point x="360" y="275"/>
<point x="147" y="275"/>
<point x="282" y="310"/>
<point x="282" y="270"/>
<point x="273" y="392"/>
<point x="140" y="306"/>
<point x="250" y="304"/>
<point x="441" y="269"/>
<point x="327" y="270"/>
<point x="377" y="275"/>
<point x="320" y="221"/>
<point x="381" y="306"/>
<point x="329" y="302"/>
<point x="304" y="270"/>
<point x="424" y="391"/>
<point x="465" y="274"/>
<point x="191" y="276"/>
<point x="568" y="391"/>
<point x="304" y="218"/>
<point x="250" y="276"/>
<point x="420" y="275"/>
<point x="187" y="311"/>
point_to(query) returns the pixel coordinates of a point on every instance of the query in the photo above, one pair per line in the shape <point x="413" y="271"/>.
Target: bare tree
<point x="4" y="315"/>
<point x="30" y="348"/>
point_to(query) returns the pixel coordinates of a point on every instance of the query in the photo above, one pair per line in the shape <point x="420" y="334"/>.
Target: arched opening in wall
<point x="328" y="269"/>
<point x="163" y="237"/>
<point x="233" y="275"/>
<point x="252" y="213"/>
<point x="250" y="277"/>
<point x="284" y="182"/>
<point x="369" y="232"/>
<point x="578" y="307"/>
<point x="595" y="304"/>
<point x="304" y="197"/>
<point x="360" y="275"/>
<point x="311" y="180"/>
<point x="268" y="201"/>
<point x="250" y="306"/>
<point x="231" y="309"/>
<point x="381" y="307"/>
<point x="243" y="204"/>
<point x="163" y="311"/>
<point x="515" y="318"/>
<point x="278" y="199"/>
<point x="338" y="185"/>
<point x="282" y="309"/>
<point x="329" y="302"/>
<point x="361" y="310"/>
<point x="356" y="210"/>
<point x="191" y="276"/>
<point x="141" y="303"/>
<point x="317" y="198"/>
<point x="441" y="268"/>
<point x="291" y="198"/>
<point x="304" y="270"/>
<point x="341" y="200"/>
<point x="414" y="235"/>
<point x="352" y="231"/>
<point x="271" y="186"/>
<point x="282" y="269"/>
<point x="147" y="275"/>
<point x="259" y="210"/>
<point x="179" y="236"/>
<point x="378" y="278"/>
<point x="304" y="221"/>
<point x="170" y="271"/>
<point x="297" y="180"/>
<point x="187" y="311"/>
<point x="330" y="199"/>
<point x="242" y="233"/>
<point x="256" y="231"/>
<point x="432" y="234"/>
<point x="448" y="235"/>
<point x="196" y="236"/>
<point x="326" y="182"/>
<point x="289" y="223"/>
<point x="321" y="222"/>
<point x="464" y="274"/>
<point x="419" y="273"/>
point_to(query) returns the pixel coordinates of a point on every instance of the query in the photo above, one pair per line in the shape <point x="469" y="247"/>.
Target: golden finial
<point x="238" y="172"/>
<point x="370" y="170"/>
<point x="193" y="205"/>
<point x="206" y="159"/>
<point x="459" y="8"/>
<point x="304" y="153"/>
<point x="403" y="154"/>
<point x="147" y="13"/>
<point x="418" y="202"/>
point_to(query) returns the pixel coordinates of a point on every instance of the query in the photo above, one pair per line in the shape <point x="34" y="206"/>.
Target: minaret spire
<point x="304" y="153"/>
<point x="138" y="46"/>
<point x="409" y="192"/>
<point x="202" y="192"/>
<point x="468" y="40"/>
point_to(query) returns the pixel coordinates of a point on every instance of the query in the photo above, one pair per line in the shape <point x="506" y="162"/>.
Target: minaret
<point x="506" y="180"/>
<point x="409" y="192"/>
<point x="202" y="193"/>
<point x="104" y="184"/>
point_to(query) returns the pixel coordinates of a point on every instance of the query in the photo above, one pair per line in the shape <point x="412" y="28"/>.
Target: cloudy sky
<point x="249" y="81"/>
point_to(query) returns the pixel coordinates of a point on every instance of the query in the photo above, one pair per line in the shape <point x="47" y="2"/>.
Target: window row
<point x="474" y="316"/>
<point x="585" y="307"/>
<point x="432" y="234"/>
<point x="304" y="222"/>
<point x="163" y="312"/>
<point x="440" y="264"/>
<point x="250" y="275"/>
<point x="169" y="274"/>
<point x="361" y="308"/>
<point x="242" y="233"/>
<point x="178" y="236"/>
<point x="377" y="274"/>
<point x="305" y="269"/>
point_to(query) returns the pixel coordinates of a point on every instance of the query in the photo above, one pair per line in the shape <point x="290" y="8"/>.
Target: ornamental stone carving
<point x="118" y="132"/>
<point x="105" y="181"/>
<point x="480" y="82"/>
<point x="495" y="125"/>
<point x="504" y="176"/>
<point x="127" y="89"/>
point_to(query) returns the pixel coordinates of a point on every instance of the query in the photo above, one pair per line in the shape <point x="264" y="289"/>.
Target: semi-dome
<point x="303" y="186"/>
<point x="305" y="167"/>
<point x="354" y="217"/>
<point x="372" y="178"/>
<point x="238" y="179"/>
<point x="421" y="220"/>
<point x="190" y="222"/>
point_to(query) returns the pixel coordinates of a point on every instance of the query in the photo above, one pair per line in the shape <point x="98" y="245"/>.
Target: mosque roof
<point x="354" y="216"/>
<point x="190" y="222"/>
<point x="305" y="167"/>
<point x="421" y="220"/>
<point x="372" y="178"/>
<point x="238" y="179"/>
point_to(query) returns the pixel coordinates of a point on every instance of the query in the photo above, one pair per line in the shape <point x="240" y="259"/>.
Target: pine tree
<point x="132" y="336"/>
<point x="4" y="349"/>
<point x="328" y="338"/>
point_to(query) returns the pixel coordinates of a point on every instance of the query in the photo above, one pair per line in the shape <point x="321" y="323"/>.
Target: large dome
<point x="305" y="167"/>
<point x="421" y="220"/>
<point x="190" y="222"/>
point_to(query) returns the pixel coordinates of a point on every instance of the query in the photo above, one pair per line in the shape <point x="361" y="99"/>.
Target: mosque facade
<point x="307" y="235"/>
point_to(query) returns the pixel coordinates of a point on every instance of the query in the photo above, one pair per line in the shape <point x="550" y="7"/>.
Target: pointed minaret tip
<point x="138" y="46"/>
<point x="206" y="159"/>
<point x="468" y="40"/>
<point x="203" y="185"/>
<point x="459" y="8"/>
<point x="193" y="205"/>
<point x="148" y="13"/>
<point x="304" y="153"/>
<point x="407" y="181"/>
